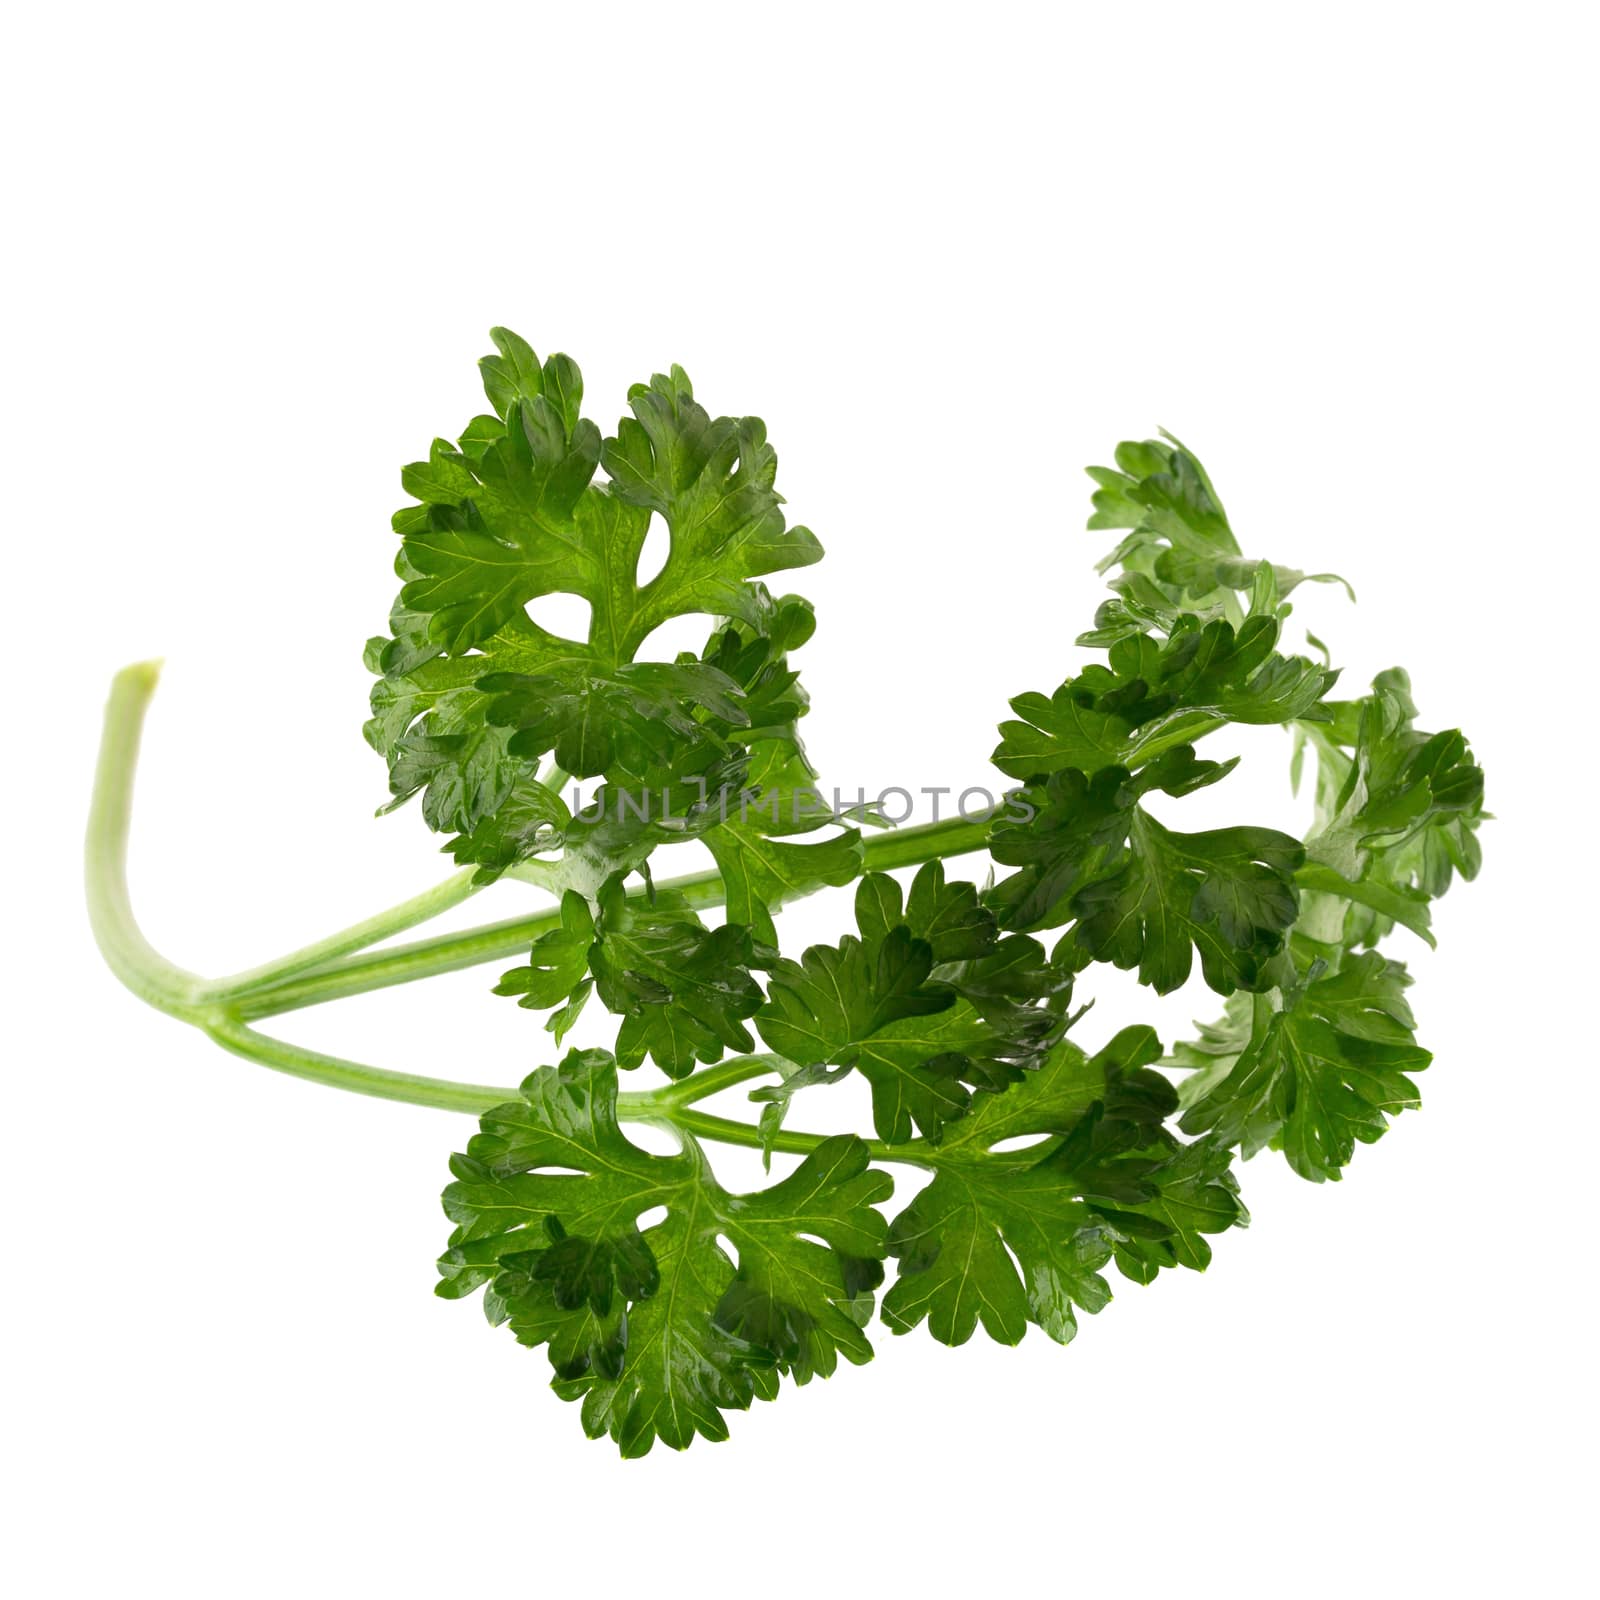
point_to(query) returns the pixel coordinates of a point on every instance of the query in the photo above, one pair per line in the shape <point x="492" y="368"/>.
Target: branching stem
<point x="727" y="1131"/>
<point x="397" y="919"/>
<point x="342" y="964"/>
<point x="671" y="1105"/>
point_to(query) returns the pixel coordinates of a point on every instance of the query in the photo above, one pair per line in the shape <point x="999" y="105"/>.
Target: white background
<point x="951" y="257"/>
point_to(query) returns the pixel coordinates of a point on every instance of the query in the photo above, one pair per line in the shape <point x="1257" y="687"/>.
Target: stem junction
<point x="344" y="963"/>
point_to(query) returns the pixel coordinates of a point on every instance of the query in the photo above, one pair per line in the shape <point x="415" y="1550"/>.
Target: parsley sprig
<point x="663" y="1300"/>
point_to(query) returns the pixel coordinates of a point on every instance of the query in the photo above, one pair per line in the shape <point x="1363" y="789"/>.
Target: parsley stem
<point x="724" y="1130"/>
<point x="665" y="1105"/>
<point x="496" y="941"/>
<point x="445" y="952"/>
<point x="384" y="925"/>
<point x="701" y="1084"/>
<point x="1184" y="730"/>
<point x="128" y="953"/>
<point x="341" y="965"/>
<point x="910" y="847"/>
<point x="380" y="969"/>
<point x="355" y="1076"/>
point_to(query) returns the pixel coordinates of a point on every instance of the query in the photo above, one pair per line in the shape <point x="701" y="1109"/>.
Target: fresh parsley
<point x="662" y="1300"/>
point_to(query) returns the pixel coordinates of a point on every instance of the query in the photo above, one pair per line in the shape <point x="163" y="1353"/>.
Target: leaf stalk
<point x="343" y="964"/>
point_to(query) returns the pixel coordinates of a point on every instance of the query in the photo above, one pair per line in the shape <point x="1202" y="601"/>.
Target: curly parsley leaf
<point x="1185" y="1192"/>
<point x="1325" y="1072"/>
<point x="1140" y="894"/>
<point x="761" y="846"/>
<point x="757" y="847"/>
<point x="657" y="1330"/>
<point x="1201" y="675"/>
<point x="518" y="515"/>
<point x="473" y="692"/>
<point x="1180" y="562"/>
<point x="428" y="722"/>
<point x="917" y="1028"/>
<point x="683" y="990"/>
<point x="764" y="870"/>
<point x="1104" y="1179"/>
<point x="1397" y="812"/>
<point x="532" y="817"/>
<point x="556" y="973"/>
<point x="1228" y="893"/>
<point x="623" y="823"/>
<point x="634" y="719"/>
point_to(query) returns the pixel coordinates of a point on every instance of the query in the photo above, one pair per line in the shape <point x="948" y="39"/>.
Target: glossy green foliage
<point x="1322" y="1073"/>
<point x="910" y="1004"/>
<point x="473" y="693"/>
<point x="666" y="1301"/>
<point x="1104" y="1179"/>
<point x="658" y="1330"/>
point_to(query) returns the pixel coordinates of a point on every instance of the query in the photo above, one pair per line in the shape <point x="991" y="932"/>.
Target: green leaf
<point x="445" y="478"/>
<point x="683" y="990"/>
<point x="1228" y="893"/>
<point x="473" y="692"/>
<point x="874" y="1003"/>
<point x="1323" y="1073"/>
<point x="712" y="480"/>
<point x="1076" y="834"/>
<point x="556" y="972"/>
<point x="658" y="1331"/>
<point x="623" y="823"/>
<point x="512" y="375"/>
<point x="530" y="818"/>
<point x="679" y="1372"/>
<point x="1180" y="558"/>
<point x="1202" y="674"/>
<point x="1238" y="574"/>
<point x="1103" y="1179"/>
<point x="1388" y="903"/>
<point x="1195" y="1194"/>
<point x="1160" y="490"/>
<point x="516" y="530"/>
<point x="1142" y="895"/>
<point x="756" y="845"/>
<point x="429" y="725"/>
<point x="1397" y="812"/>
<point x="956" y="1241"/>
<point x="635" y="719"/>
<point x="1209" y="1057"/>
<point x="762" y="873"/>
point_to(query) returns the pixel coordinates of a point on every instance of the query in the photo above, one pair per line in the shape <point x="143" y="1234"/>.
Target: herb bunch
<point x="958" y="1002"/>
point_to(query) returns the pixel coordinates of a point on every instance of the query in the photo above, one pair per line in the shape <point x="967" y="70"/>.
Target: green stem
<point x="666" y="1105"/>
<point x="700" y="1085"/>
<point x="451" y="952"/>
<point x="1185" y="729"/>
<point x="331" y="967"/>
<point x="445" y="952"/>
<point x="910" y="847"/>
<point x="726" y="1131"/>
<point x="498" y="940"/>
<point x="384" y="925"/>
<point x="128" y="953"/>
<point x="380" y="969"/>
<point x="337" y="1073"/>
